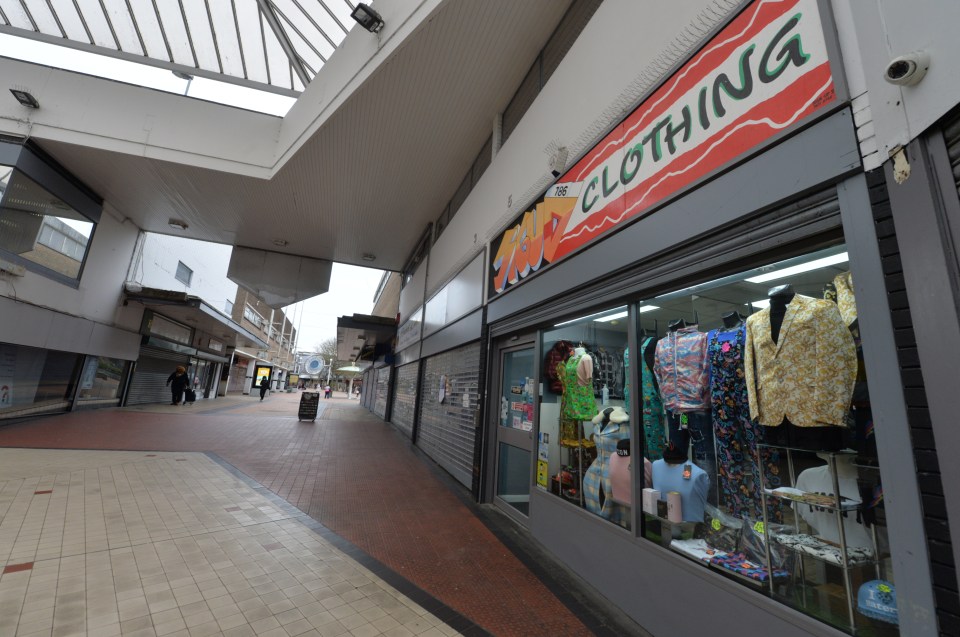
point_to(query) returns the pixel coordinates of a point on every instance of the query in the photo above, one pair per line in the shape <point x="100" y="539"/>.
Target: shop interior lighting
<point x="369" y="257"/>
<point x="25" y="98"/>
<point x="761" y="304"/>
<point x="611" y="317"/>
<point x="367" y="18"/>
<point x="177" y="224"/>
<point x="798" y="269"/>
<point x="647" y="308"/>
<point x="604" y="316"/>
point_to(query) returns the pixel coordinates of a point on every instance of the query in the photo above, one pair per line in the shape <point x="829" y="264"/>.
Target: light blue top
<point x="693" y="492"/>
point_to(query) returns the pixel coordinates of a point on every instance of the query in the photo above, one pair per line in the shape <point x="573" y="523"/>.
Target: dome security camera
<point x="907" y="70"/>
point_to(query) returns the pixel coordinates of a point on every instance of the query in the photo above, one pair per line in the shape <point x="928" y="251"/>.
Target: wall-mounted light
<point x="367" y="18"/>
<point x="25" y="98"/>
<point x="177" y="224"/>
<point x="368" y="257"/>
<point x="280" y="243"/>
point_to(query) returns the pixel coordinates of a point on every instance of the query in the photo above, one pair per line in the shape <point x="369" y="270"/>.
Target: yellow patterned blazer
<point x="807" y="376"/>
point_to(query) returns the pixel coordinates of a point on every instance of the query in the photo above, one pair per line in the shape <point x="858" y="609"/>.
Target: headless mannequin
<point x="732" y="320"/>
<point x="579" y="351"/>
<point x="780" y="297"/>
<point x="678" y="324"/>
<point x="787" y="434"/>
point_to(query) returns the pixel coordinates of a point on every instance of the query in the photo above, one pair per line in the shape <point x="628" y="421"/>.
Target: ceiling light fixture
<point x="25" y="98"/>
<point x="610" y="317"/>
<point x="281" y="243"/>
<point x="177" y="224"/>
<point x="368" y="257"/>
<point x="367" y="18"/>
<point x="799" y="269"/>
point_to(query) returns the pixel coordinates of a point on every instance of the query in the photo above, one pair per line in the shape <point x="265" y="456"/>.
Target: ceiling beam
<point x="266" y="8"/>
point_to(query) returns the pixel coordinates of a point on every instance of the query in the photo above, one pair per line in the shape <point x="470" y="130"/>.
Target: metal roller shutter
<point x="149" y="382"/>
<point x="952" y="135"/>
<point x="447" y="431"/>
<point x="405" y="398"/>
<point x="382" y="390"/>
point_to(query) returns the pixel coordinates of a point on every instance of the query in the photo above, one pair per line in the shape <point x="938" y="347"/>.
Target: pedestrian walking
<point x="178" y="382"/>
<point x="264" y="386"/>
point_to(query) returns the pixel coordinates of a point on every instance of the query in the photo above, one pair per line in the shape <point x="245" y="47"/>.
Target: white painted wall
<point x="625" y="48"/>
<point x="156" y="267"/>
<point x="40" y="312"/>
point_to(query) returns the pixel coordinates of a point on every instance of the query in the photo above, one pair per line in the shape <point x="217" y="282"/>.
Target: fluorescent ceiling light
<point x="604" y="313"/>
<point x="761" y="304"/>
<point x="648" y="308"/>
<point x="798" y="269"/>
<point x="611" y="317"/>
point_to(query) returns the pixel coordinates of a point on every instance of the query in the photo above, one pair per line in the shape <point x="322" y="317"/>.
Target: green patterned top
<point x="578" y="400"/>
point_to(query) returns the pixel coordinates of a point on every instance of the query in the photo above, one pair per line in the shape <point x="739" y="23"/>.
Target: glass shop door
<point x="514" y="442"/>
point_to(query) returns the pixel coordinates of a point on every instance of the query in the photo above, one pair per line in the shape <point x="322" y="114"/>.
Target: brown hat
<point x="181" y="368"/>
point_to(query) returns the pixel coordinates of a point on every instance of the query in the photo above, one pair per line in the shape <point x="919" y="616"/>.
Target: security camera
<point x="908" y="69"/>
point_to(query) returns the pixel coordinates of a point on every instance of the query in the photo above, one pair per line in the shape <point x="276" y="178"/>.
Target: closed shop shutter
<point x="447" y="430"/>
<point x="149" y="382"/>
<point x="405" y="398"/>
<point x="238" y="375"/>
<point x="952" y="134"/>
<point x="382" y="390"/>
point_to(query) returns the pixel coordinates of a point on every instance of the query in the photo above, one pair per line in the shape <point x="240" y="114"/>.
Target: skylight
<point x="274" y="46"/>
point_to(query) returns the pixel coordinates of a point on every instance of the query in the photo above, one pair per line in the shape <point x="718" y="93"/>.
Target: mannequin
<point x="676" y="324"/>
<point x="780" y="297"/>
<point x="739" y="455"/>
<point x="823" y="522"/>
<point x="609" y="428"/>
<point x="800" y="366"/>
<point x="576" y="375"/>
<point x="732" y="320"/>
<point x="675" y="472"/>
<point x="682" y="369"/>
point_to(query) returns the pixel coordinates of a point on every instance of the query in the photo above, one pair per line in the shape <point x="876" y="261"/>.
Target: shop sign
<point x="215" y="346"/>
<point x="765" y="72"/>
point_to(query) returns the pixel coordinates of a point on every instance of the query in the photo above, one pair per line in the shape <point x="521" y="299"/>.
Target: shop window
<point x="102" y="379"/>
<point x="584" y="432"/>
<point x="39" y="228"/>
<point x="755" y="416"/>
<point x="228" y="307"/>
<point x="35" y="381"/>
<point x="184" y="274"/>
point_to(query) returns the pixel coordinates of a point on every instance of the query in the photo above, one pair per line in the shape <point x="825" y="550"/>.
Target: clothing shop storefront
<point x="690" y="341"/>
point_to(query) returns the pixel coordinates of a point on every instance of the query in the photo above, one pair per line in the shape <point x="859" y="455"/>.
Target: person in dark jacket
<point x="178" y="382"/>
<point x="264" y="386"/>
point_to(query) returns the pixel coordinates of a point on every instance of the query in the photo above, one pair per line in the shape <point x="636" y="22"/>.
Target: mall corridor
<point x="234" y="518"/>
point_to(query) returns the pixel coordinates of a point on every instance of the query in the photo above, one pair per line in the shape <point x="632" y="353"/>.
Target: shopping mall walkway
<point x="166" y="520"/>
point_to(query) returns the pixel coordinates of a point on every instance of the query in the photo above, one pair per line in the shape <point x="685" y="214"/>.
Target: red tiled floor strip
<point x="43" y="492"/>
<point x="16" y="568"/>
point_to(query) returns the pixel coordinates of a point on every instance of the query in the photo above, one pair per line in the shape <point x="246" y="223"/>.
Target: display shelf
<point x="814" y="499"/>
<point x="839" y="509"/>
<point x="851" y="562"/>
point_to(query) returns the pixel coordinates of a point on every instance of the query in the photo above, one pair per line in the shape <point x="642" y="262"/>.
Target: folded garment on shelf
<point x="739" y="564"/>
<point x="821" y="549"/>
<point x="697" y="549"/>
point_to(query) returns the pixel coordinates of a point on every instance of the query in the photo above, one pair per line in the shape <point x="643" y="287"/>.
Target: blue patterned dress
<point x="737" y="436"/>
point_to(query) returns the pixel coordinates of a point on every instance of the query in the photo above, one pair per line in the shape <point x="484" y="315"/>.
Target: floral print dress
<point x="737" y="436"/>
<point x="578" y="401"/>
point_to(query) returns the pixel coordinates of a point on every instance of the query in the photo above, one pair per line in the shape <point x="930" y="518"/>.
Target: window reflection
<point x="40" y="227"/>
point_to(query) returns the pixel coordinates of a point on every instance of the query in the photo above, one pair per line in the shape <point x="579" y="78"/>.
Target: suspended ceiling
<point x="372" y="175"/>
<point x="274" y="45"/>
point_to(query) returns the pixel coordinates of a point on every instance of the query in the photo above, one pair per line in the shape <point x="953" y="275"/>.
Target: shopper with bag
<point x="178" y="382"/>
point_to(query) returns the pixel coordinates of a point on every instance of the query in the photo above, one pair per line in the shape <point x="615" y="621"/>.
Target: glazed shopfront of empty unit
<point x="690" y="401"/>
